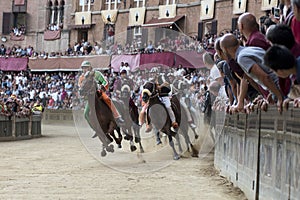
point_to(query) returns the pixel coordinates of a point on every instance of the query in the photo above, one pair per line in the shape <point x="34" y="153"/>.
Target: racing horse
<point x="157" y="116"/>
<point x="101" y="117"/>
<point x="129" y="111"/>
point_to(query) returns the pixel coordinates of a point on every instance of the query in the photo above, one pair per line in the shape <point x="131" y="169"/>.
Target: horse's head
<point x="89" y="85"/>
<point x="148" y="91"/>
<point x="125" y="91"/>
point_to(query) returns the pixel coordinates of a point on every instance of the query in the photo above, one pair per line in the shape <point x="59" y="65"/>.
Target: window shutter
<point x="234" y="23"/>
<point x="144" y="36"/>
<point x="7" y="23"/>
<point x="200" y="31"/>
<point x="129" y="35"/>
<point x="214" y="27"/>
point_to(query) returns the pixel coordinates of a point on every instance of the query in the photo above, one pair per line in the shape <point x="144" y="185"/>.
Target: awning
<point x="81" y="26"/>
<point x="164" y="22"/>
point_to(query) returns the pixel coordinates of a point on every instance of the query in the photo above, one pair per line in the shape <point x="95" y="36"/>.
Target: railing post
<point x="30" y="125"/>
<point x="258" y="157"/>
<point x="13" y="126"/>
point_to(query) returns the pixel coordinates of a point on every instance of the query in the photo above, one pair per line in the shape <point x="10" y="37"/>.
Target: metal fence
<point x="274" y="172"/>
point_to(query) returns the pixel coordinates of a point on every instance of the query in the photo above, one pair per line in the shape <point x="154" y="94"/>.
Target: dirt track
<point x="58" y="166"/>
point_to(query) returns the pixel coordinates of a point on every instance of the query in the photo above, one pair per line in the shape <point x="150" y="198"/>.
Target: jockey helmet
<point x="86" y="64"/>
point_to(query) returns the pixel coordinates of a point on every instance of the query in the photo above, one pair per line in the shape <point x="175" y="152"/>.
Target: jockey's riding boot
<point x="120" y="120"/>
<point x="175" y="125"/>
<point x="95" y="135"/>
<point x="192" y="125"/>
<point x="148" y="128"/>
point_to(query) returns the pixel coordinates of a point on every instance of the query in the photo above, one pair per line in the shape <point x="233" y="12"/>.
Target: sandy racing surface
<point x="60" y="166"/>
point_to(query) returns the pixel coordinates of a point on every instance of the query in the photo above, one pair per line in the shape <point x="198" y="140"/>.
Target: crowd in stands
<point x="24" y="92"/>
<point x="18" y="31"/>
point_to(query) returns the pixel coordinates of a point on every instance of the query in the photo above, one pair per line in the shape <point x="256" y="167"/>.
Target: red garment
<point x="296" y="50"/>
<point x="295" y="26"/>
<point x="257" y="39"/>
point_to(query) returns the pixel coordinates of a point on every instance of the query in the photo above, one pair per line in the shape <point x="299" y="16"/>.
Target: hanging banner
<point x="109" y="16"/>
<point x="268" y="4"/>
<point x="207" y="9"/>
<point x="82" y="18"/>
<point x="167" y="11"/>
<point x="136" y="16"/>
<point x="239" y="6"/>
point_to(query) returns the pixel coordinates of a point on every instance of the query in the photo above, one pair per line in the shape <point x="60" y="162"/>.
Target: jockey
<point x="164" y="89"/>
<point x="122" y="81"/>
<point x="101" y="80"/>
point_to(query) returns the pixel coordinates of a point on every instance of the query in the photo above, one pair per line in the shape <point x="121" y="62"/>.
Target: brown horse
<point x="101" y="117"/>
<point x="160" y="118"/>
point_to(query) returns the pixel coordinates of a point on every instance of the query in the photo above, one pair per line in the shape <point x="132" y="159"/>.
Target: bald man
<point x="250" y="60"/>
<point x="249" y="28"/>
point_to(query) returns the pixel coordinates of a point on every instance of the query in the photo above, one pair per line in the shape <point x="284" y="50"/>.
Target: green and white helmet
<point x="86" y="64"/>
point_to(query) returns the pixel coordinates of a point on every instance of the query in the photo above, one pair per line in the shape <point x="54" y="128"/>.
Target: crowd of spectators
<point x="18" y="31"/>
<point x="25" y="92"/>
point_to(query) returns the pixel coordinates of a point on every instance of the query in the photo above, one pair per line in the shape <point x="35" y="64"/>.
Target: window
<point x="112" y="1"/>
<point x="56" y="14"/>
<point x="137" y="31"/>
<point x="86" y="2"/>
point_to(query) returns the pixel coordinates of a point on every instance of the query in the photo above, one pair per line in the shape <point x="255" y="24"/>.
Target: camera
<point x="276" y="12"/>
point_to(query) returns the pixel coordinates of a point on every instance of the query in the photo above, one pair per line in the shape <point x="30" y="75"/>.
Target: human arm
<point x="269" y="83"/>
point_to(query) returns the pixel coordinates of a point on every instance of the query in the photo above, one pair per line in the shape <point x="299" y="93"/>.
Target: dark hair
<point x="281" y="34"/>
<point x="279" y="57"/>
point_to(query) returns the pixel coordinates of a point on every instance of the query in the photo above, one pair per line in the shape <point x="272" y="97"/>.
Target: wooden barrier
<point x="57" y="116"/>
<point x="274" y="172"/>
<point x="14" y="128"/>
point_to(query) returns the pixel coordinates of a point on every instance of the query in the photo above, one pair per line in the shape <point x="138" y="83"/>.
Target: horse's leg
<point x="136" y="130"/>
<point x="189" y="144"/>
<point x="158" y="141"/>
<point x="176" y="156"/>
<point x="119" y="139"/>
<point x="132" y="145"/>
<point x="179" y="143"/>
<point x="195" y="133"/>
<point x="103" y="152"/>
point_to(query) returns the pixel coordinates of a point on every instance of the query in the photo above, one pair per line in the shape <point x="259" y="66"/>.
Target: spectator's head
<point x="208" y="60"/>
<point x="247" y="24"/>
<point x="281" y="60"/>
<point x="281" y="34"/>
<point x="296" y="9"/>
<point x="123" y="73"/>
<point x="218" y="49"/>
<point x="229" y="44"/>
<point x="267" y="23"/>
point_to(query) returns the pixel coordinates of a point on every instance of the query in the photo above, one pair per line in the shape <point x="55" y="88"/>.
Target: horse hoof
<point x="195" y="155"/>
<point x="119" y="146"/>
<point x="110" y="148"/>
<point x="142" y="151"/>
<point x="158" y="142"/>
<point x="177" y="157"/>
<point x="196" y="136"/>
<point x="132" y="148"/>
<point x="103" y="153"/>
<point x="128" y="137"/>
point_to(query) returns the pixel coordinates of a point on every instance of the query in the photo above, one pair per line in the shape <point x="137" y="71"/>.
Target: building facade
<point x="50" y="25"/>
